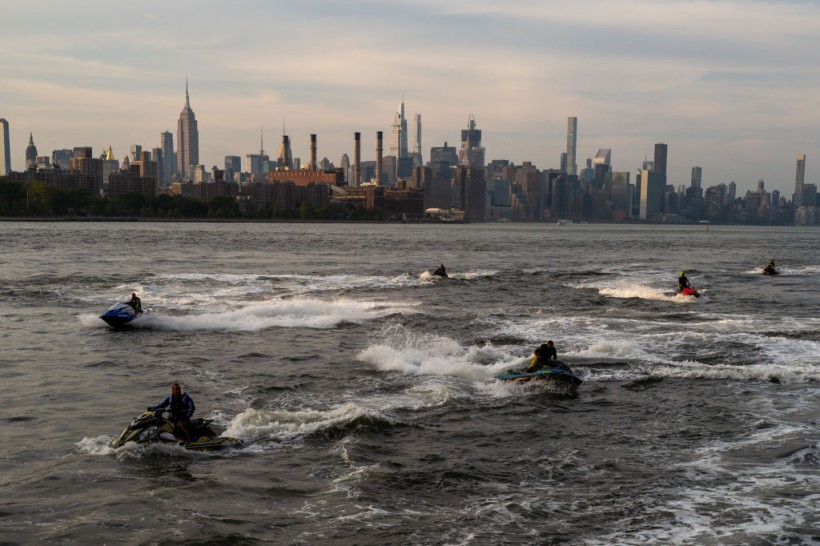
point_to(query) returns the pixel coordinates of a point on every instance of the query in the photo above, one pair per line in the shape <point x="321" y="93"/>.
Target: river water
<point x="364" y="388"/>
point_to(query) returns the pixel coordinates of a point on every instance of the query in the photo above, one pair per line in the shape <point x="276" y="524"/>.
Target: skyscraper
<point x="799" y="180"/>
<point x="398" y="134"/>
<point x="417" y="150"/>
<point x="169" y="168"/>
<point x="652" y="186"/>
<point x="660" y="158"/>
<point x="5" y="148"/>
<point x="31" y="153"/>
<point x="187" y="139"/>
<point x="697" y="176"/>
<point x="572" y="136"/>
<point x="471" y="153"/>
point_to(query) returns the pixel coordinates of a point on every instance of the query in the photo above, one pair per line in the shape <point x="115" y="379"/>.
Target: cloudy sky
<point x="730" y="85"/>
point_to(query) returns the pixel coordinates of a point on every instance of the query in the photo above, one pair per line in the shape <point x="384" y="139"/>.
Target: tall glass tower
<point x="187" y="139"/>
<point x="417" y="148"/>
<point x="799" y="179"/>
<point x="398" y="133"/>
<point x="5" y="148"/>
<point x="572" y="141"/>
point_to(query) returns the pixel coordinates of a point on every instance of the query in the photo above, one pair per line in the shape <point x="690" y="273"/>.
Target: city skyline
<point x="728" y="86"/>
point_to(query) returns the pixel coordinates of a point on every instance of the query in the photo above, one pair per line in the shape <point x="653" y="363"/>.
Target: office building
<point x="169" y="161"/>
<point x="417" y="158"/>
<point x="187" y="139"/>
<point x="62" y="158"/>
<point x="652" y="187"/>
<point x="572" y="137"/>
<point x="660" y="158"/>
<point x="398" y="134"/>
<point x="799" y="181"/>
<point x="233" y="166"/>
<point x="471" y="153"/>
<point x="31" y="153"/>
<point x="697" y="177"/>
<point x="5" y="148"/>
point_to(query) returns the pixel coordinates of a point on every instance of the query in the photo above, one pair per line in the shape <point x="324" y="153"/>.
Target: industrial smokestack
<point x="312" y="152"/>
<point x="379" y="158"/>
<point x="357" y="159"/>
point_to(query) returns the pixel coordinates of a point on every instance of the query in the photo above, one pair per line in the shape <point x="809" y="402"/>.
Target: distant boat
<point x="564" y="222"/>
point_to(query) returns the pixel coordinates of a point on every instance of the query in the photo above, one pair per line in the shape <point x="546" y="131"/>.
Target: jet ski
<point x="120" y="314"/>
<point x="688" y="291"/>
<point x="770" y="270"/>
<point x="560" y="375"/>
<point x="154" y="427"/>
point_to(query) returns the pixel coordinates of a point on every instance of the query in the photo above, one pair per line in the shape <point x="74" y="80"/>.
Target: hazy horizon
<point x="729" y="86"/>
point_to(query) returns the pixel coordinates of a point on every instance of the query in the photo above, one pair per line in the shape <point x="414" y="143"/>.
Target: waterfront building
<point x="5" y="148"/>
<point x="621" y="197"/>
<point x="187" y="139"/>
<point x="652" y="188"/>
<point x="469" y="192"/>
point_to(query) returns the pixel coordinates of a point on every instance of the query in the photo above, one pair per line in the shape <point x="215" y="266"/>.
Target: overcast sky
<point x="732" y="86"/>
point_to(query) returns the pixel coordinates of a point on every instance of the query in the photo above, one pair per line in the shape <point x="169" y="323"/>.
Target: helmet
<point x="681" y="273"/>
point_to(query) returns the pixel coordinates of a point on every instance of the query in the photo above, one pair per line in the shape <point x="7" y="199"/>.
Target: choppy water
<point x="363" y="387"/>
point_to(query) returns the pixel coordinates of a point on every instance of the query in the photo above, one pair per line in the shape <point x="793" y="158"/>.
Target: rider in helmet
<point x="683" y="282"/>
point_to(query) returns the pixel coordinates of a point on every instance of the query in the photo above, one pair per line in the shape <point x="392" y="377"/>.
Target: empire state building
<point x="187" y="140"/>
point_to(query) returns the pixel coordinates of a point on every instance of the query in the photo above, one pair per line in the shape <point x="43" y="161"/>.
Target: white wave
<point x="427" y="276"/>
<point x="286" y="425"/>
<point x="99" y="445"/>
<point x="788" y="271"/>
<point x="638" y="291"/>
<point x="288" y="313"/>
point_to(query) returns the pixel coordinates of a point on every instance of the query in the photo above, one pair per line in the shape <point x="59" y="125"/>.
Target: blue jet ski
<point x="560" y="375"/>
<point x="120" y="314"/>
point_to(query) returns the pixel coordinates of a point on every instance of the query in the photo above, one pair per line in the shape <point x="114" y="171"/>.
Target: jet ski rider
<point x="441" y="271"/>
<point x="542" y="357"/>
<point x="135" y="302"/>
<point x="181" y="408"/>
<point x="683" y="282"/>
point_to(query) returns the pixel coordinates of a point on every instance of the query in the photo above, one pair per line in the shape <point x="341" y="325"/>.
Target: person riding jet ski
<point x="135" y="302"/>
<point x="683" y="282"/>
<point x="441" y="272"/>
<point x="770" y="269"/>
<point x="181" y="408"/>
<point x="543" y="357"/>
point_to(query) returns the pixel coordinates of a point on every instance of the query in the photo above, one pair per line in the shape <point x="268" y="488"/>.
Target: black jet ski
<point x="441" y="271"/>
<point x="154" y="427"/>
<point x="120" y="314"/>
<point x="770" y="270"/>
<point x="559" y="375"/>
